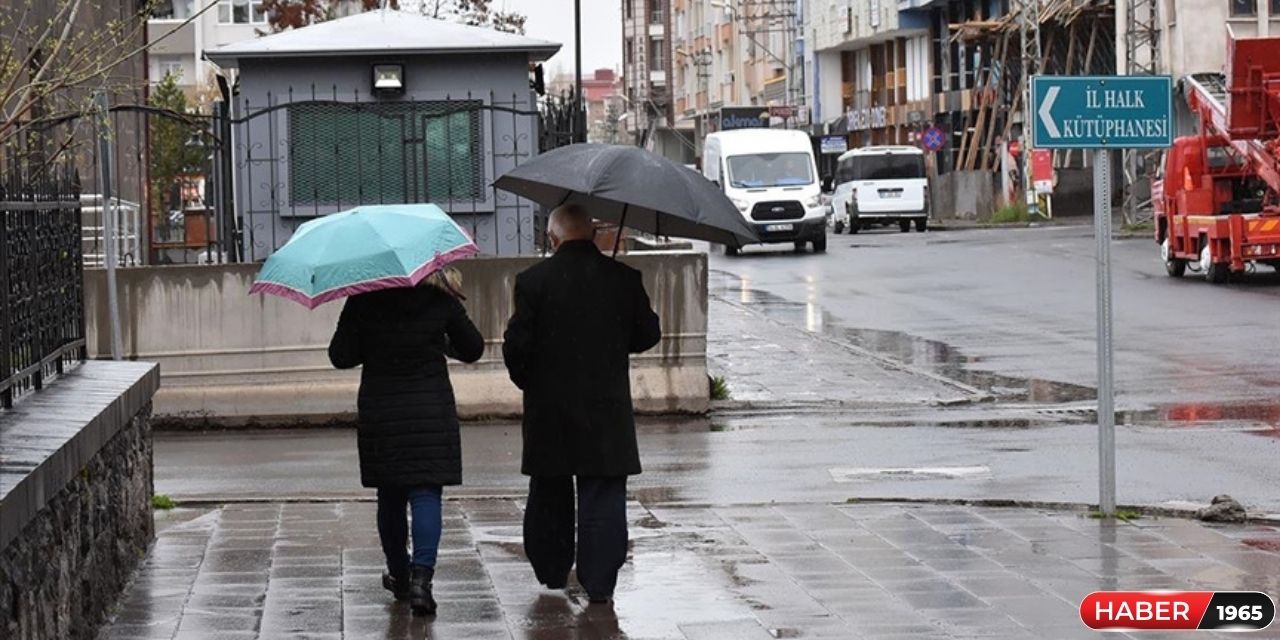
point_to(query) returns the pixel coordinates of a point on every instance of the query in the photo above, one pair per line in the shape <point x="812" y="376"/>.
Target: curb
<point x="990" y="503"/>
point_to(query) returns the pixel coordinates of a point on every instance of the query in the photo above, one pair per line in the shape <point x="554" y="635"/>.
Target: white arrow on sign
<point x="1049" y="126"/>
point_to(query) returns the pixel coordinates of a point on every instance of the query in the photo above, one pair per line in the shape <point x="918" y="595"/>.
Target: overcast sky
<point x="553" y="20"/>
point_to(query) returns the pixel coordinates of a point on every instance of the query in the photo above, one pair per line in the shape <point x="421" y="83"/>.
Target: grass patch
<point x="162" y="502"/>
<point x="1141" y="227"/>
<point x="1124" y="515"/>
<point x="1014" y="213"/>
<point x="719" y="388"/>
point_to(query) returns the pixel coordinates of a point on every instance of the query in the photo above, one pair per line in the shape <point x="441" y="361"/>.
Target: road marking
<point x="856" y="474"/>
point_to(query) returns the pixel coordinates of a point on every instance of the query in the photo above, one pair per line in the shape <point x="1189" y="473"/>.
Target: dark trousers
<point x="601" y="531"/>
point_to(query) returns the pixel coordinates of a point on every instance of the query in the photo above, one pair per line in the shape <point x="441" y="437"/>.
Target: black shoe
<point x="598" y="599"/>
<point x="557" y="585"/>
<point x="420" y="599"/>
<point x="396" y="583"/>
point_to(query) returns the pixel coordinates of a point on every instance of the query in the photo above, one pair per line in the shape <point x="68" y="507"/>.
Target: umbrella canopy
<point x="614" y="182"/>
<point x="363" y="249"/>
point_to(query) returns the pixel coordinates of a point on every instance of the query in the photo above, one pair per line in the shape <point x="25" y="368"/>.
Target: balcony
<point x="181" y="42"/>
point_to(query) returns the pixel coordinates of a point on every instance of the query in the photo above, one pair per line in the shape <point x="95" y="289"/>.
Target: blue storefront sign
<point x="1102" y="112"/>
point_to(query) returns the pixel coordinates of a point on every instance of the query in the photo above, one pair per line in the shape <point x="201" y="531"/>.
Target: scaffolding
<point x="1142" y="57"/>
<point x="985" y="60"/>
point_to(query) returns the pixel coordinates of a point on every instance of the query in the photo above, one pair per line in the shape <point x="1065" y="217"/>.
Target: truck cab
<point x="771" y="176"/>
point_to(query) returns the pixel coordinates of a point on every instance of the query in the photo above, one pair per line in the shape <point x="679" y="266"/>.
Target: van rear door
<point x="890" y="182"/>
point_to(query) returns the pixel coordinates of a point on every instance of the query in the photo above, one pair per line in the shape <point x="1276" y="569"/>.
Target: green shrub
<point x="1011" y="214"/>
<point x="162" y="502"/>
<point x="719" y="388"/>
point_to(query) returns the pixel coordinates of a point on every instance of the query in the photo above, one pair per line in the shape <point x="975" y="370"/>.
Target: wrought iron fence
<point x="41" y="277"/>
<point x="232" y="185"/>
<point x="298" y="155"/>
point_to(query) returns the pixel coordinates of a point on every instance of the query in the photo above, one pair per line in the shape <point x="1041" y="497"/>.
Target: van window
<point x="760" y="170"/>
<point x="889" y="166"/>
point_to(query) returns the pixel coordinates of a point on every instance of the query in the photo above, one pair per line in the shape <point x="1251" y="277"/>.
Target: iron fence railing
<point x="41" y="277"/>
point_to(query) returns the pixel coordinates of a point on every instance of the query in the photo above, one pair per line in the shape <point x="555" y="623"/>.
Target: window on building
<point x="627" y="8"/>
<point x="241" y="12"/>
<point x="1241" y="8"/>
<point x="384" y="153"/>
<point x="657" y="57"/>
<point x="656" y="12"/>
<point x="169" y="66"/>
<point x="1275" y="9"/>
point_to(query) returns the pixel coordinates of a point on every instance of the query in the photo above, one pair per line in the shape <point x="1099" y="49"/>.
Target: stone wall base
<point x="61" y="577"/>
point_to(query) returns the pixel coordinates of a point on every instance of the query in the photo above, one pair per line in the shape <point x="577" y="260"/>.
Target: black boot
<point x="420" y="599"/>
<point x="397" y="583"/>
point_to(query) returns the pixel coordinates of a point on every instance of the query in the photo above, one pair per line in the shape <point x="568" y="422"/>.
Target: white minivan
<point x="771" y="176"/>
<point x="881" y="185"/>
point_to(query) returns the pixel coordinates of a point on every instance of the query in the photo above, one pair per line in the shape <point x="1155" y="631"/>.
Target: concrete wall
<point x="964" y="195"/>
<point x="231" y="358"/>
<point x="75" y="500"/>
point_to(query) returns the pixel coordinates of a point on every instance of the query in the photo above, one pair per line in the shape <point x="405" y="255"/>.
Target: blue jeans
<point x="393" y="527"/>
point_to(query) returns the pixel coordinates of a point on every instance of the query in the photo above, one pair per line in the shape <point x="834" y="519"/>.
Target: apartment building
<point x="729" y="54"/>
<point x="646" y="79"/>
<point x="871" y="70"/>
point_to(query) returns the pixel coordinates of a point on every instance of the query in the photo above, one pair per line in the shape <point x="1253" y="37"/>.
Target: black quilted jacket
<point x="408" y="433"/>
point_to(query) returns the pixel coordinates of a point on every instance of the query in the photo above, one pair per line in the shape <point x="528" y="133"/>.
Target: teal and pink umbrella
<point x="363" y="249"/>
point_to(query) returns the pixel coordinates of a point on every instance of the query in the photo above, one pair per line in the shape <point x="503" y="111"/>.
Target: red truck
<point x="1217" y="201"/>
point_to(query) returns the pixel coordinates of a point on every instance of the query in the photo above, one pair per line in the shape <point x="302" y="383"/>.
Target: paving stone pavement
<point x="289" y="571"/>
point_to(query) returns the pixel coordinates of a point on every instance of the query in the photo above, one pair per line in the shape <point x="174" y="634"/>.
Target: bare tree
<point x="295" y="14"/>
<point x="54" y="54"/>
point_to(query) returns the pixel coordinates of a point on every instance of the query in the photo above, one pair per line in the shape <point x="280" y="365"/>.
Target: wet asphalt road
<point x="855" y="374"/>
<point x="1020" y="303"/>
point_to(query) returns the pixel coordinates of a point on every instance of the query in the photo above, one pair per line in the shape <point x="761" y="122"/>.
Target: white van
<point x="771" y="176"/>
<point x="881" y="185"/>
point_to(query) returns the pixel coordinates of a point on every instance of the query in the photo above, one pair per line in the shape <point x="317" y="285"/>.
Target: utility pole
<point x="108" y="215"/>
<point x="580" y="113"/>
<point x="1029" y="30"/>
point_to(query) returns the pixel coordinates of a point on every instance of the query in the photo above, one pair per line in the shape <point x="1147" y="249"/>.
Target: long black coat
<point x="408" y="427"/>
<point x="578" y="317"/>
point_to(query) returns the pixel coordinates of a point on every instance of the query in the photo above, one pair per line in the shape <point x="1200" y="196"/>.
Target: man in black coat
<point x="578" y="317"/>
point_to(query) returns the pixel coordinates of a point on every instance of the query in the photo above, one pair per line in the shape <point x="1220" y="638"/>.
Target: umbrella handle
<point x="617" y="238"/>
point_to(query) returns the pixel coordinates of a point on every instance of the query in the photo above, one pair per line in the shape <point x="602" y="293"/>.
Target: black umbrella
<point x="632" y="187"/>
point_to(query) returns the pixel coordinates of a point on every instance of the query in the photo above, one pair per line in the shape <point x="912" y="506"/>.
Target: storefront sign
<point x="743" y="118"/>
<point x="833" y="145"/>
<point x="868" y="118"/>
<point x="782" y="111"/>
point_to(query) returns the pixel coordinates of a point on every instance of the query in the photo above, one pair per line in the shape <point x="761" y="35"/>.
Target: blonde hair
<point x="447" y="279"/>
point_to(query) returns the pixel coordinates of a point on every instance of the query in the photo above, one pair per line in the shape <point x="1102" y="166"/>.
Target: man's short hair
<point x="571" y="222"/>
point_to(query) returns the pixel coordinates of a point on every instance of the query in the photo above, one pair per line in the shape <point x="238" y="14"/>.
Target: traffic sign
<point x="933" y="139"/>
<point x="1102" y="112"/>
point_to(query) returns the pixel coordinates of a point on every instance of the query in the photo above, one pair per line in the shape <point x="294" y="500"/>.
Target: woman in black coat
<point x="408" y="422"/>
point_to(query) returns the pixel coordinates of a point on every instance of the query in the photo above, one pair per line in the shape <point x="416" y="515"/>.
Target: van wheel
<point x="730" y="250"/>
<point x="839" y="227"/>
<point x="820" y="244"/>
<point x="904" y="225"/>
<point x="800" y="244"/>
<point x="922" y="224"/>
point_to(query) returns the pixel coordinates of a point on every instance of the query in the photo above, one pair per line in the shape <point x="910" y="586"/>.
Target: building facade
<point x="647" y="53"/>
<point x="871" y="70"/>
<point x="602" y="93"/>
<point x="733" y="55"/>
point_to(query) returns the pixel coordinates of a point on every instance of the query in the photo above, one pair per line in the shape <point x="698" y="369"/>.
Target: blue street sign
<point x="1102" y="112"/>
<point x="933" y="139"/>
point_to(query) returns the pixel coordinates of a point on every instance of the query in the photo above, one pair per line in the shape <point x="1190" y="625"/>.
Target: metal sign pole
<point x="1106" y="397"/>
<point x="108" y="223"/>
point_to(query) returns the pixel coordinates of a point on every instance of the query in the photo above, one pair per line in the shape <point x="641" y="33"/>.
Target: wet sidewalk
<point x="311" y="570"/>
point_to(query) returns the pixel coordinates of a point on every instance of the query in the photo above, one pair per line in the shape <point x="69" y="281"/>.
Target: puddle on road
<point x="1257" y="418"/>
<point x="930" y="355"/>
